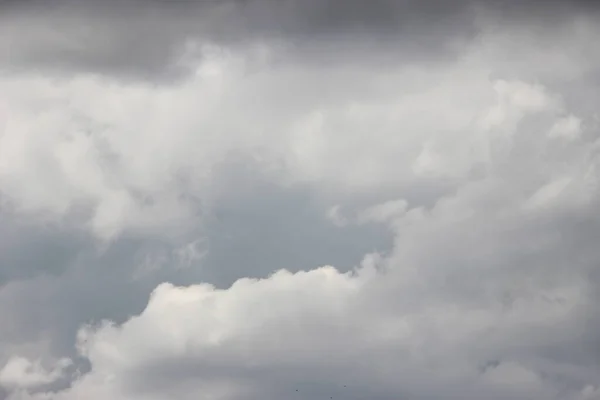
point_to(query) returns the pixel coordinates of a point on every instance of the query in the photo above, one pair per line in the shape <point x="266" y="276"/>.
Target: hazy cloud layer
<point x="377" y="200"/>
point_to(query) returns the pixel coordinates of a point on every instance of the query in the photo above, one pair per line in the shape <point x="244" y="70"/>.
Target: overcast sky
<point x="299" y="199"/>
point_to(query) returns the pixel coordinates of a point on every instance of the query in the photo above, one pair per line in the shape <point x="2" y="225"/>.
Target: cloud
<point x="568" y="127"/>
<point x="474" y="298"/>
<point x="203" y="237"/>
<point x="144" y="167"/>
<point x="21" y="373"/>
<point x="148" y="39"/>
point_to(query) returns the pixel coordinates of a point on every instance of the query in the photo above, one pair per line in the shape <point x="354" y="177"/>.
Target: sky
<point x="299" y="199"/>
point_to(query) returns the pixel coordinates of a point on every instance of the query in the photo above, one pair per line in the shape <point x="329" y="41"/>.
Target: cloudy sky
<point x="299" y="199"/>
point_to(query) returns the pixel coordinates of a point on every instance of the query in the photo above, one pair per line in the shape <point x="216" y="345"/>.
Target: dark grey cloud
<point x="145" y="39"/>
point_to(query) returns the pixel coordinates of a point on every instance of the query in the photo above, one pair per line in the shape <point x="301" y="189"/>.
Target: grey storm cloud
<point x="142" y="39"/>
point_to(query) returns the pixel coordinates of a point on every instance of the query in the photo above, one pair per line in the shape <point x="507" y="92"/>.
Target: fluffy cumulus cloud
<point x="264" y="200"/>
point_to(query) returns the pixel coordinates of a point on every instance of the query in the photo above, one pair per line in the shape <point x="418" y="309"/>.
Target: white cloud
<point x="469" y="302"/>
<point x="568" y="127"/>
<point x="22" y="373"/>
<point x="128" y="153"/>
<point x="548" y="193"/>
<point x="383" y="212"/>
<point x="335" y="215"/>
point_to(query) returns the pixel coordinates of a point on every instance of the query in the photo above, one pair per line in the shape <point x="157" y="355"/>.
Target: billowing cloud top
<point x="299" y="199"/>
